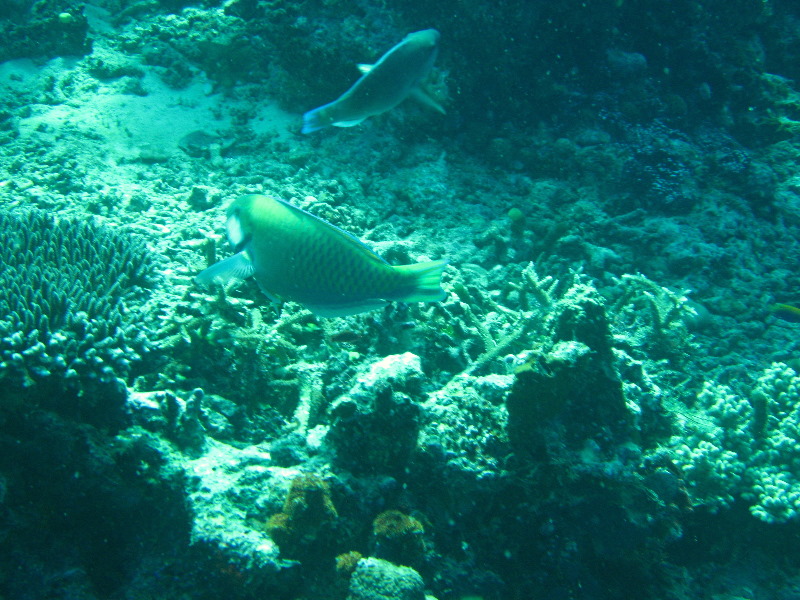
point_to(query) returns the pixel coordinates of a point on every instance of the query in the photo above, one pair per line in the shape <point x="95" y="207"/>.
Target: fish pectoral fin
<point x="423" y="97"/>
<point x="345" y="310"/>
<point x="348" y="123"/>
<point x="364" y="68"/>
<point x="236" y="267"/>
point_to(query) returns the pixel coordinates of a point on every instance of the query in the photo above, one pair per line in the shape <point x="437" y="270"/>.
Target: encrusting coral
<point x="398" y="538"/>
<point x="307" y="516"/>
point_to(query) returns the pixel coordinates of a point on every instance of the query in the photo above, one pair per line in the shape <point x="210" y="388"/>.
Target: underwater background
<point x="606" y="404"/>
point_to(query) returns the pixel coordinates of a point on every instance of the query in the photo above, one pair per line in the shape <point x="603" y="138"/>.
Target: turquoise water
<point x="605" y="403"/>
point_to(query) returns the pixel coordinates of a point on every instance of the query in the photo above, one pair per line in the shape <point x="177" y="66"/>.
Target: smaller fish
<point x="297" y="256"/>
<point x="198" y="143"/>
<point x="384" y="85"/>
<point x="787" y="312"/>
<point x="346" y="337"/>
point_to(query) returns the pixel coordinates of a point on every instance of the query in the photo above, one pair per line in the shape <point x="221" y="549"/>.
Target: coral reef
<point x="83" y="510"/>
<point x="43" y="29"/>
<point x="603" y="405"/>
<point x="571" y="394"/>
<point x="72" y="296"/>
<point x="380" y="406"/>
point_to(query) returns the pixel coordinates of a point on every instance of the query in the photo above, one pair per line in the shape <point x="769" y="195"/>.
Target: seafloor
<point x="605" y="406"/>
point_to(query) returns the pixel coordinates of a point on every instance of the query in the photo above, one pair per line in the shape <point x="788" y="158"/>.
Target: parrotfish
<point x="297" y="256"/>
<point x="396" y="76"/>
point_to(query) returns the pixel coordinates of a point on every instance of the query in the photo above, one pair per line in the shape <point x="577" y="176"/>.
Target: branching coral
<point x="71" y="297"/>
<point x="229" y="337"/>
<point x="745" y="446"/>
<point x="662" y="327"/>
<point x="477" y="328"/>
<point x="784" y="115"/>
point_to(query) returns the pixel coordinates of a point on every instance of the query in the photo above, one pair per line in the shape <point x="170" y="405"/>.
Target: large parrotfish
<point x="384" y="85"/>
<point x="297" y="256"/>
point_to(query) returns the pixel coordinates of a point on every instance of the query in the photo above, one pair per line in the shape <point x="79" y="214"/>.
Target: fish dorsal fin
<point x="349" y="238"/>
<point x="364" y="68"/>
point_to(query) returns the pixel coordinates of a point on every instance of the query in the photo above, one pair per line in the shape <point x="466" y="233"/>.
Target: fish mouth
<point x="431" y="36"/>
<point x="242" y="243"/>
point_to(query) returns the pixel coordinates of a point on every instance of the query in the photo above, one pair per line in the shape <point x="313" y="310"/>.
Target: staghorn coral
<point x="473" y="330"/>
<point x="668" y="313"/>
<point x="653" y="335"/>
<point x="70" y="300"/>
<point x="228" y="345"/>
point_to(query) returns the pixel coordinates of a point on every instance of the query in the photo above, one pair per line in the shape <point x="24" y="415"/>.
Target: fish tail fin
<point x="316" y="119"/>
<point x="425" y="280"/>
